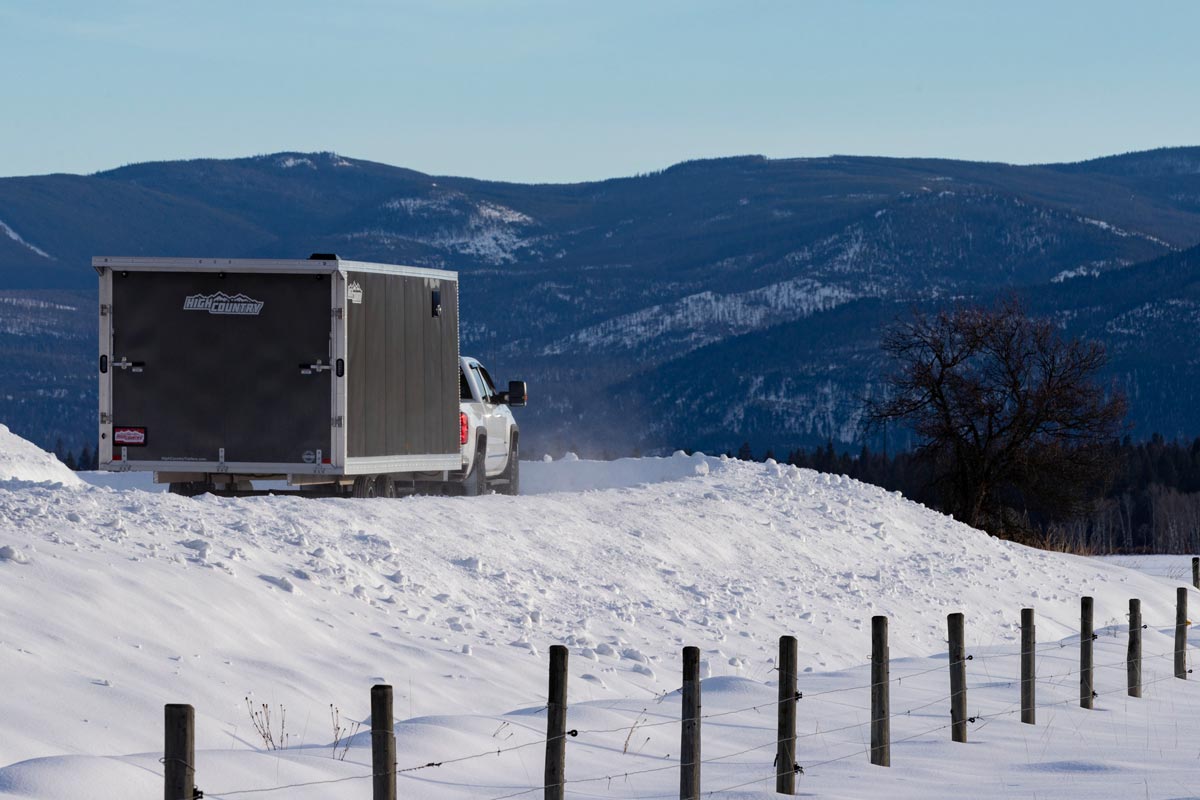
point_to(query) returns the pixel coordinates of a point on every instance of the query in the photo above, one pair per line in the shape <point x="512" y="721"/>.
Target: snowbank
<point x="122" y="600"/>
<point x="21" y="460"/>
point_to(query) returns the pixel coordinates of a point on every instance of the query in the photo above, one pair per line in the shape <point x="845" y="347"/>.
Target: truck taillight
<point x="462" y="428"/>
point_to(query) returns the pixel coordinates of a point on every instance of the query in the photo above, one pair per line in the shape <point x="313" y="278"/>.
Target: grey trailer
<point x="216" y="372"/>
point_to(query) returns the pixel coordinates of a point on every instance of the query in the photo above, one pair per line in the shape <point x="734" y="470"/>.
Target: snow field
<point x="629" y="749"/>
<point x="123" y="600"/>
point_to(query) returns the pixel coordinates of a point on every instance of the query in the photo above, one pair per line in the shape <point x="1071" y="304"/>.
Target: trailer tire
<point x="475" y="482"/>
<point x="189" y="488"/>
<point x="385" y="486"/>
<point x="364" y="486"/>
<point x="512" y="472"/>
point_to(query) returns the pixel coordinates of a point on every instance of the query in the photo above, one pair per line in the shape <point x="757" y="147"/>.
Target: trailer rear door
<point x="210" y="362"/>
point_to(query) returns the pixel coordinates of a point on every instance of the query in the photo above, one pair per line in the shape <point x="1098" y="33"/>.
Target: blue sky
<point x="562" y="91"/>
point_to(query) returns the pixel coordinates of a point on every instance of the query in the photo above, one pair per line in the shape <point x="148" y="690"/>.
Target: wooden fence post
<point x="785" y="753"/>
<point x="689" y="750"/>
<point x="1181" y="633"/>
<point x="179" y="752"/>
<point x="383" y="744"/>
<point x="958" y="678"/>
<point x="556" y="725"/>
<point x="1028" y="666"/>
<point x="1087" y="680"/>
<point x="881" y="746"/>
<point x="1133" y="659"/>
<point x="1195" y="572"/>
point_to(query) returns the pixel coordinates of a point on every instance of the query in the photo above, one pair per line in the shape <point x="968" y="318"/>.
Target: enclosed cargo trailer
<point x="219" y="371"/>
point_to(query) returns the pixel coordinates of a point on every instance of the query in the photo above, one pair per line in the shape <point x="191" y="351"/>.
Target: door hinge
<point x="105" y="419"/>
<point x="105" y="309"/>
<point x="337" y="422"/>
<point x="337" y="313"/>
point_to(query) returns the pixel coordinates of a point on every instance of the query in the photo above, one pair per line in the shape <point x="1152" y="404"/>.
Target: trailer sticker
<point x="354" y="293"/>
<point x="221" y="303"/>
<point x="130" y="437"/>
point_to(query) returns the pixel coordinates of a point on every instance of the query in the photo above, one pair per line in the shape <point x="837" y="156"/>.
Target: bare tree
<point x="1011" y="416"/>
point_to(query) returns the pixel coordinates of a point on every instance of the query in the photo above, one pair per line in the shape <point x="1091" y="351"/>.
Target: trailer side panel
<point x="402" y="366"/>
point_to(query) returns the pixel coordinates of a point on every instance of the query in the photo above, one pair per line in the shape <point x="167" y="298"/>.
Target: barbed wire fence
<point x="179" y="770"/>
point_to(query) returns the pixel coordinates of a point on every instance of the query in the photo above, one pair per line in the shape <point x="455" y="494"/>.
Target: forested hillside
<point x="708" y="303"/>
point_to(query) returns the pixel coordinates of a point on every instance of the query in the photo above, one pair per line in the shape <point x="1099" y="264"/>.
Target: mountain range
<point x="713" y="302"/>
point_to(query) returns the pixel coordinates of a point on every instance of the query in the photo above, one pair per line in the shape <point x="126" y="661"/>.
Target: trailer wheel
<point x="385" y="486"/>
<point x="364" y="486"/>
<point x="189" y="488"/>
<point x="475" y="483"/>
<point x="512" y="472"/>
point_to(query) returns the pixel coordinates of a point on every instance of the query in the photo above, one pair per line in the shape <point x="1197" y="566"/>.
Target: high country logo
<point x="129" y="436"/>
<point x="221" y="303"/>
<point x="354" y="293"/>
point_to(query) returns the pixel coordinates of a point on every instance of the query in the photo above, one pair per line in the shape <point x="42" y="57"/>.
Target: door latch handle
<point x="309" y="369"/>
<point x="132" y="366"/>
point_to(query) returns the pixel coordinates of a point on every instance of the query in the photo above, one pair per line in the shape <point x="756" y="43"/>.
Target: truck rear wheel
<point x="475" y="483"/>
<point x="512" y="473"/>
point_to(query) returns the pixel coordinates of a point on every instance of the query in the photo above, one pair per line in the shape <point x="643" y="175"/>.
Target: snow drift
<point x="117" y="601"/>
<point x="23" y="461"/>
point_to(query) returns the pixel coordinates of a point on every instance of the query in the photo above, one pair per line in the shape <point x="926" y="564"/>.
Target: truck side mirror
<point x="517" y="395"/>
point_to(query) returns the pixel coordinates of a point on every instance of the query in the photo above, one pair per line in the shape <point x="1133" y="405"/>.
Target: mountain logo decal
<point x="128" y="436"/>
<point x="221" y="303"/>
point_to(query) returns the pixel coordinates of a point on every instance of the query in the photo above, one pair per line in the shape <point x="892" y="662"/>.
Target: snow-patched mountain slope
<point x="122" y="600"/>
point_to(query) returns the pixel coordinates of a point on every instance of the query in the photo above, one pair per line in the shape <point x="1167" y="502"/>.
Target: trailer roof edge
<point x="282" y="265"/>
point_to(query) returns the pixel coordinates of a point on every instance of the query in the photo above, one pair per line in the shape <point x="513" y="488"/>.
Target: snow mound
<point x="114" y="601"/>
<point x="21" y="460"/>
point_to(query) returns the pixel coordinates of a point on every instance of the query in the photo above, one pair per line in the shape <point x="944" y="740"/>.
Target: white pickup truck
<point x="489" y="434"/>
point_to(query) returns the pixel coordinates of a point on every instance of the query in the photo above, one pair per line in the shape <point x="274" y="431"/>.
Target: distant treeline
<point x="85" y="459"/>
<point x="1152" y="506"/>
